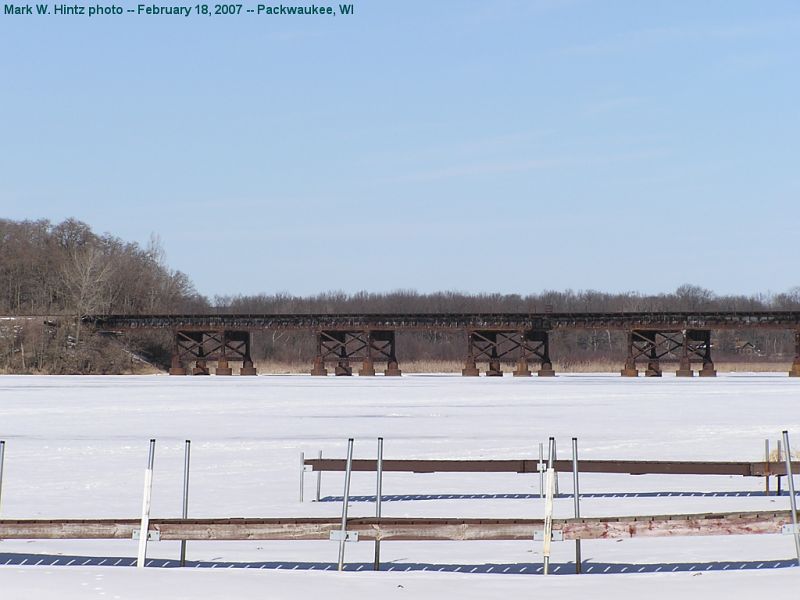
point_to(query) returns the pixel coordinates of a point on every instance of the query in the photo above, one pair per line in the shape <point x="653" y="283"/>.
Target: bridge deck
<point x="454" y="321"/>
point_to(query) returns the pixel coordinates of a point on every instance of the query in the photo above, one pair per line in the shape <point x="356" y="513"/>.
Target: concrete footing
<point x="629" y="370"/>
<point x="708" y="370"/>
<point x="248" y="369"/>
<point x="684" y="369"/>
<point x="367" y="368"/>
<point x="470" y="368"/>
<point x="223" y="368"/>
<point x="546" y="370"/>
<point x="319" y="369"/>
<point x="392" y="369"/>
<point x="522" y="369"/>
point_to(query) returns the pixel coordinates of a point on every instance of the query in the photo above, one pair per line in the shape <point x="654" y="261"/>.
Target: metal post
<point x="548" y="512"/>
<point x="766" y="460"/>
<point x="302" y="474"/>
<point x="792" y="499"/>
<point x="319" y="478"/>
<point x="345" y="499"/>
<point x="540" y="466"/>
<point x="780" y="458"/>
<point x="2" y="459"/>
<point x="378" y="496"/>
<point x="555" y="472"/>
<point x="145" y="524"/>
<point x="185" y="511"/>
<point x="577" y="495"/>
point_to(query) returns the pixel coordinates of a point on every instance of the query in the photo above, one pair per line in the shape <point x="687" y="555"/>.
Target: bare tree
<point x="85" y="276"/>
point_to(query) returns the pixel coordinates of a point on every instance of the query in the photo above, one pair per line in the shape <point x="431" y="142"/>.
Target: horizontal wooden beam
<point x="409" y="529"/>
<point x="632" y="467"/>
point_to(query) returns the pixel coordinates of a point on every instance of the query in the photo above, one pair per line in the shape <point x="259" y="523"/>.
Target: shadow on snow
<point x="589" y="567"/>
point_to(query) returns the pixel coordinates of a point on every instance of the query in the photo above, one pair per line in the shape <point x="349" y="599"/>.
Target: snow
<point x="77" y="447"/>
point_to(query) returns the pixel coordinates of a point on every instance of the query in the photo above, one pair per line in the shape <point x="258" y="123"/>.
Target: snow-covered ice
<point x="77" y="447"/>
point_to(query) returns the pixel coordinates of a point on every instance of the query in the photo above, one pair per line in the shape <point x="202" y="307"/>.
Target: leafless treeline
<point x="64" y="271"/>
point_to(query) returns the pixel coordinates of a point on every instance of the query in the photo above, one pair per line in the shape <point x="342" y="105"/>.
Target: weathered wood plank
<point x="404" y="529"/>
<point x="633" y="467"/>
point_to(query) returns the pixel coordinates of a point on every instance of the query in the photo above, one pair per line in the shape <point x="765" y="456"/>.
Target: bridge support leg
<point x="392" y="367"/>
<point x="546" y="369"/>
<point x="176" y="367"/>
<point x="222" y="361"/>
<point x="795" y="370"/>
<point x="630" y="370"/>
<point x="319" y="370"/>
<point x="223" y="368"/>
<point x="522" y="369"/>
<point x="368" y="366"/>
<point x="708" y="364"/>
<point x="685" y="365"/>
<point x="247" y="369"/>
<point x="470" y="367"/>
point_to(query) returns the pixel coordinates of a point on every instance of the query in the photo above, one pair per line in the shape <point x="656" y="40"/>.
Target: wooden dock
<point x="632" y="467"/>
<point x="407" y="529"/>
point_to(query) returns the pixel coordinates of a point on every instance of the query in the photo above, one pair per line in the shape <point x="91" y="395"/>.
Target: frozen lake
<point x="77" y="447"/>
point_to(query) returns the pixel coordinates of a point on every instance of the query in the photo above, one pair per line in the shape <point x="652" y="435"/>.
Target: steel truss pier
<point x="346" y="347"/>
<point x="495" y="347"/>
<point x="493" y="338"/>
<point x="202" y="347"/>
<point x="687" y="346"/>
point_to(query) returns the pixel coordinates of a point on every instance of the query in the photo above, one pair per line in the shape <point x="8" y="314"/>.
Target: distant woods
<point x="64" y="271"/>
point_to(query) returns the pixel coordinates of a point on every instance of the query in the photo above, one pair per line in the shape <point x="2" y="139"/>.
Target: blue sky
<point x="475" y="146"/>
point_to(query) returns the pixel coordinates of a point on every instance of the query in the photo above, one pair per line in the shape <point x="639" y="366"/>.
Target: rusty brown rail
<point x="632" y="467"/>
<point x="408" y="529"/>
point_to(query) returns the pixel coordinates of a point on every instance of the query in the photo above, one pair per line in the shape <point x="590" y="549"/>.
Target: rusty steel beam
<point x="631" y="467"/>
<point x="509" y="322"/>
<point x="403" y="529"/>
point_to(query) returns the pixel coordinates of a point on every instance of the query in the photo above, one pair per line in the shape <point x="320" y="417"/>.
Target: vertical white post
<point x="577" y="497"/>
<point x="378" y="496"/>
<point x="548" y="518"/>
<point x="793" y="500"/>
<point x="145" y="525"/>
<point x="780" y="458"/>
<point x="2" y="460"/>
<point x="185" y="511"/>
<point x="345" y="499"/>
<point x="302" y="474"/>
<point x="319" y="478"/>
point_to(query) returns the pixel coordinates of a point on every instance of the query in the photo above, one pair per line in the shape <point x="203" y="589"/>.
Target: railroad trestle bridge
<point x="490" y="338"/>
